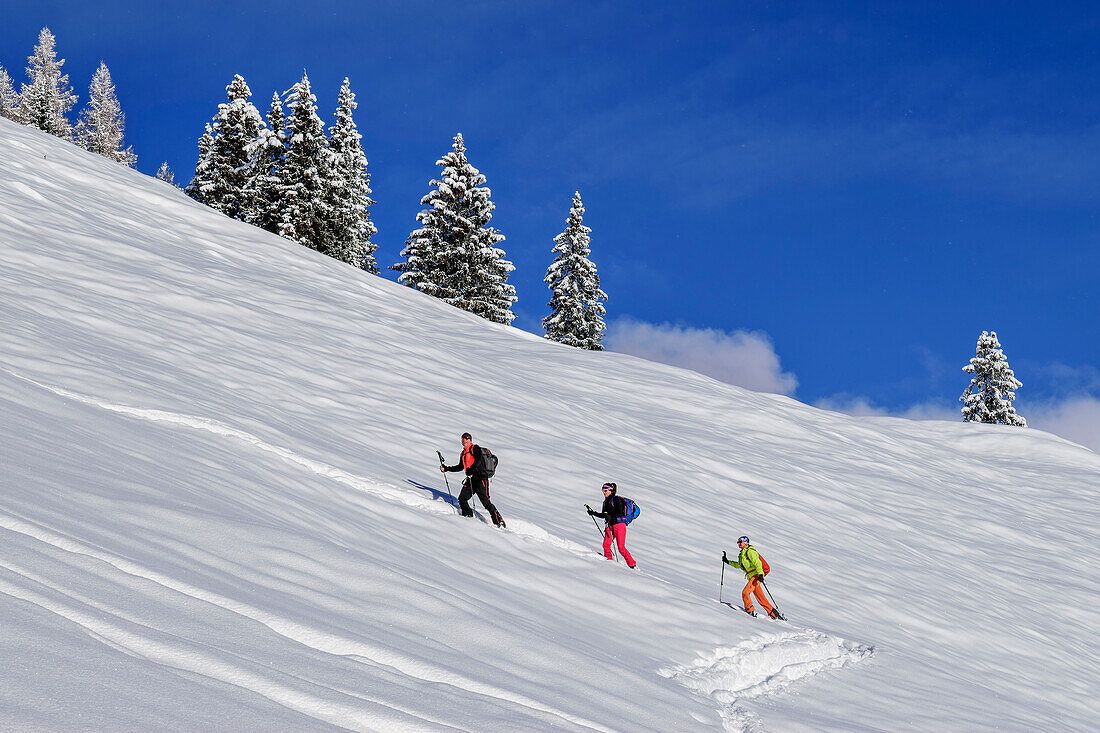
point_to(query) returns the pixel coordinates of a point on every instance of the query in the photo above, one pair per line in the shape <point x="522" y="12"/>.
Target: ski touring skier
<point x="748" y="560"/>
<point x="476" y="482"/>
<point x="614" y="513"/>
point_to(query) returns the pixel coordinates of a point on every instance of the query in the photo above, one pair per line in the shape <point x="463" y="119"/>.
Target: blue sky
<point x="826" y="200"/>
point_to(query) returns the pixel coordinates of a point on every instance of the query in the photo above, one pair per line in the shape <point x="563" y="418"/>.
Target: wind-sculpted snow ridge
<point x="763" y="665"/>
<point x="383" y="490"/>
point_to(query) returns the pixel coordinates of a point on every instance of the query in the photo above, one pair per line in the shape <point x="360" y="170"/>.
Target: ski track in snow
<point x="388" y="492"/>
<point x="169" y="655"/>
<point x="761" y="666"/>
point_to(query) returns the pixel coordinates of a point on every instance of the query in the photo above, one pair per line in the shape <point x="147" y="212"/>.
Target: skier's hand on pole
<point x="724" y="559"/>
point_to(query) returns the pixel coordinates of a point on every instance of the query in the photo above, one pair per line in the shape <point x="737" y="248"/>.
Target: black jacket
<point x="614" y="510"/>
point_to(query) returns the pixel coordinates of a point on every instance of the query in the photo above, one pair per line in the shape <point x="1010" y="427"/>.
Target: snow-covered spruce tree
<point x="577" y="312"/>
<point x="202" y="181"/>
<point x="236" y="125"/>
<point x="9" y="100"/>
<point x="164" y="173"/>
<point x="453" y="255"/>
<point x="263" y="205"/>
<point x="45" y="102"/>
<point x="100" y="128"/>
<point x="993" y="387"/>
<point x="307" y="178"/>
<point x="352" y="226"/>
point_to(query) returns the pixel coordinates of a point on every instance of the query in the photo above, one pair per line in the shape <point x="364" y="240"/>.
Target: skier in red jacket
<point x="475" y="482"/>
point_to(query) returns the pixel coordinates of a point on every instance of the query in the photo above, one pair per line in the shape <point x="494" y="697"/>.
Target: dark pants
<point x="480" y="486"/>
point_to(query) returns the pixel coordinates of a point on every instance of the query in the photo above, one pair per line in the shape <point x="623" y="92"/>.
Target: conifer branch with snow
<point x="352" y="225"/>
<point x="263" y="202"/>
<point x="164" y="173"/>
<point x="202" y="181"/>
<point x="308" y="177"/>
<point x="100" y="129"/>
<point x="576" y="300"/>
<point x="453" y="255"/>
<point x="45" y="102"/>
<point x="224" y="164"/>
<point x="989" y="396"/>
<point x="9" y="100"/>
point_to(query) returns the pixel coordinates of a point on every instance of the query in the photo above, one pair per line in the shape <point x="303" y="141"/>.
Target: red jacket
<point x="465" y="461"/>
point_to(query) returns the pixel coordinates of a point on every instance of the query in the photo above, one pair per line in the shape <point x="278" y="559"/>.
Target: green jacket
<point x="749" y="562"/>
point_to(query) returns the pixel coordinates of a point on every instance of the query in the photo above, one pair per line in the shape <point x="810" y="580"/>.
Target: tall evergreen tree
<point x="577" y="312"/>
<point x="993" y="387"/>
<point x="236" y="125"/>
<point x="352" y="226"/>
<point x="9" y="100"/>
<point x="164" y="173"/>
<point x="307" y="179"/>
<point x="262" y="190"/>
<point x="100" y="129"/>
<point x="202" y="182"/>
<point x="453" y="255"/>
<point x="45" y="102"/>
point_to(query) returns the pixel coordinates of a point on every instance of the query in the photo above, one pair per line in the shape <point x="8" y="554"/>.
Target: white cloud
<point x="1076" y="419"/>
<point x="862" y="407"/>
<point x="744" y="358"/>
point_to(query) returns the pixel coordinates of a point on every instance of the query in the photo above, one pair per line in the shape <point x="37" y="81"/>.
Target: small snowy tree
<point x="453" y="255"/>
<point x="9" y="100"/>
<point x="234" y="128"/>
<point x="263" y="207"/>
<point x="164" y="173"/>
<point x="47" y="99"/>
<point x="352" y="226"/>
<point x="100" y="129"/>
<point x="993" y="387"/>
<point x="202" y="181"/>
<point x="577" y="312"/>
<point x="307" y="180"/>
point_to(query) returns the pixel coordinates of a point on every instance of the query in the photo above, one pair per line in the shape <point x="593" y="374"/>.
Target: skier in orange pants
<point x="749" y="562"/>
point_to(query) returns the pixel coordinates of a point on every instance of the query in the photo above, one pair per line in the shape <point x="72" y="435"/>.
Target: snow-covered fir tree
<point x="9" y="100"/>
<point x="164" y="173"/>
<point x="308" y="176"/>
<point x="45" y="102"/>
<point x="100" y="128"/>
<point x="236" y="125"/>
<point x="263" y="202"/>
<point x="202" y="180"/>
<point x="352" y="226"/>
<point x="453" y="255"/>
<point x="993" y="387"/>
<point x="576" y="300"/>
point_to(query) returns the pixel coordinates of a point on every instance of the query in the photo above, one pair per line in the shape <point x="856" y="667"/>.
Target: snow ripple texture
<point x="764" y="665"/>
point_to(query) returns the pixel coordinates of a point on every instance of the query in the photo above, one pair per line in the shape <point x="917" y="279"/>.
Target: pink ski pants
<point x="618" y="532"/>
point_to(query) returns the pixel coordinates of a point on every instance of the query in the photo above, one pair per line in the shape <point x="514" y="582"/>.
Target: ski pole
<point x="602" y="532"/>
<point x="722" y="584"/>
<point x="776" y="605"/>
<point x="443" y="465"/>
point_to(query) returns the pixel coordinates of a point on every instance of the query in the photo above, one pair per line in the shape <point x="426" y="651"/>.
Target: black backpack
<point x="485" y="463"/>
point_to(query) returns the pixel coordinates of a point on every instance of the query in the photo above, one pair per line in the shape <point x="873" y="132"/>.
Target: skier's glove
<point x="760" y="578"/>
<point x="724" y="558"/>
<point x="591" y="513"/>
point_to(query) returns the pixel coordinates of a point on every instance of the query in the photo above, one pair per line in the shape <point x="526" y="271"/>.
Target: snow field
<point x="222" y="510"/>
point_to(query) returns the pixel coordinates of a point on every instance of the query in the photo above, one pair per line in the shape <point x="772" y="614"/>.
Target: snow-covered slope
<point x="220" y="509"/>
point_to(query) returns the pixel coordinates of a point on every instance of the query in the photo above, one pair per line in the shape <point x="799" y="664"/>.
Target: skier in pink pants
<point x="614" y="513"/>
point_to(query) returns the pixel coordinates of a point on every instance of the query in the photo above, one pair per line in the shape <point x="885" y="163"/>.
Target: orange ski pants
<point x="755" y="587"/>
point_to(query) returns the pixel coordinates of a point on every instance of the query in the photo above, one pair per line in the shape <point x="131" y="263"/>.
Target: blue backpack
<point x="631" y="510"/>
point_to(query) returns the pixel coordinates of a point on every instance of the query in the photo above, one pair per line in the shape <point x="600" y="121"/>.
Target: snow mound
<point x="763" y="665"/>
